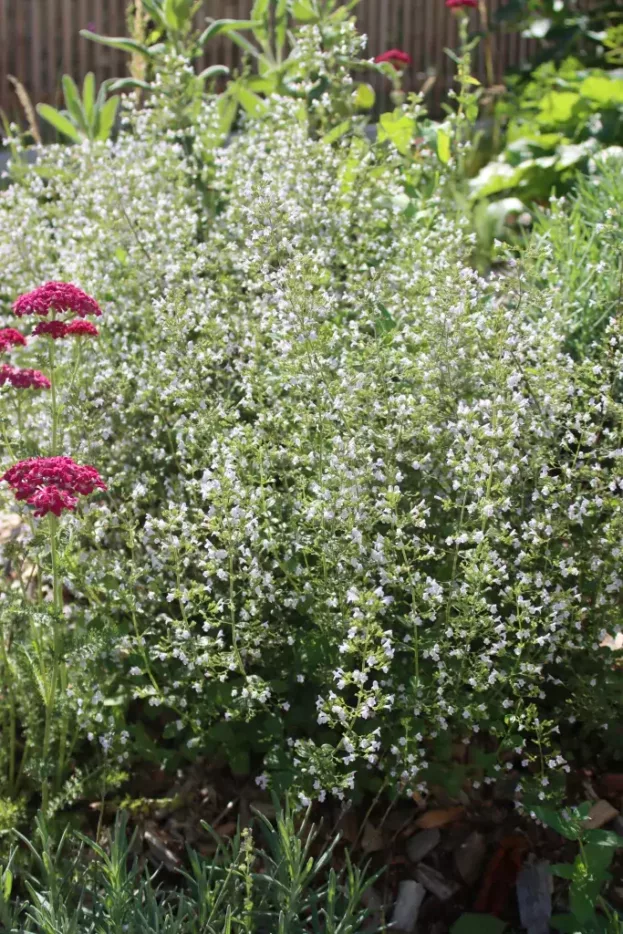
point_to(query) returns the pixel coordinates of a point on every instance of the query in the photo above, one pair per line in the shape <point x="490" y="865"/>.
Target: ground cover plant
<point x="312" y="499"/>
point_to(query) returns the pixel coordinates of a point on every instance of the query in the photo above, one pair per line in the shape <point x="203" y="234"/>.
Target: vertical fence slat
<point x="37" y="12"/>
<point x="67" y="37"/>
<point x="4" y="49"/>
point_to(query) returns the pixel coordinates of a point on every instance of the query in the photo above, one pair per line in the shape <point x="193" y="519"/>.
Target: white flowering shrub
<point x="362" y="503"/>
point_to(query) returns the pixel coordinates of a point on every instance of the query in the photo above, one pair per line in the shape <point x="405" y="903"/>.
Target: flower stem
<point x="51" y="355"/>
<point x="57" y="597"/>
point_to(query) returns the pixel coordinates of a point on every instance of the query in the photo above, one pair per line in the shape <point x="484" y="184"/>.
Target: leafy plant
<point x="87" y="116"/>
<point x="588" y="910"/>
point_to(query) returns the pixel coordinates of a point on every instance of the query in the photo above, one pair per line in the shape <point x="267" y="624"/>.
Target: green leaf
<point x="384" y="324"/>
<point x="478" y="924"/>
<point x="562" y="870"/>
<point x="7" y="884"/>
<point x="304" y="11"/>
<point x="443" y="146"/>
<point x="567" y="924"/>
<point x="224" y="26"/>
<point x="553" y="819"/>
<point x="281" y="24"/>
<point x="254" y="105"/>
<point x="399" y="129"/>
<point x="602" y="89"/>
<point x="73" y="102"/>
<point x="88" y="98"/>
<point x="176" y="14"/>
<point x="213" y="71"/>
<point x="604" y="838"/>
<point x="129" y="84"/>
<point x="227" y="110"/>
<point x="337" y="132"/>
<point x="364" y="97"/>
<point x="124" y="45"/>
<point x="106" y="119"/>
<point x="259" y="9"/>
<point x="58" y="121"/>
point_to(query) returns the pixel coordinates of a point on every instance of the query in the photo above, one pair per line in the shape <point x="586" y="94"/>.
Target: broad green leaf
<point x="58" y="121"/>
<point x="252" y="103"/>
<point x="604" y="838"/>
<point x="562" y="870"/>
<point x="364" y="97"/>
<point x="602" y="89"/>
<point x="73" y="102"/>
<point x="124" y="45"/>
<point x="106" y="119"/>
<point x="478" y="924"/>
<point x="567" y="924"/>
<point x="565" y="827"/>
<point x="399" y="129"/>
<point x="557" y="107"/>
<point x="443" y="146"/>
<point x="304" y="11"/>
<point x="176" y="14"/>
<point x="88" y="97"/>
<point x="337" y="132"/>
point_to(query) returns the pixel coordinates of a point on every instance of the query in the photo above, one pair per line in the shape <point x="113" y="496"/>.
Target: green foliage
<point x="588" y="911"/>
<point x="556" y="122"/>
<point x="283" y="882"/>
<point x="86" y="116"/>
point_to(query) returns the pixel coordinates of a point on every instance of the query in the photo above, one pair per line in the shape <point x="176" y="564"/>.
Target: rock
<point x="422" y="844"/>
<point x="439" y="817"/>
<point x="407" y="908"/>
<point x="602" y="812"/>
<point x="617" y="826"/>
<point x="469" y="858"/>
<point x="436" y="884"/>
<point x="372" y="840"/>
<point x="534" y="897"/>
<point x="372" y="901"/>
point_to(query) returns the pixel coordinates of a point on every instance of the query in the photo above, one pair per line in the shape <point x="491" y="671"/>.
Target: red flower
<point x="9" y="337"/>
<point x="54" y="329"/>
<point x="51" y="499"/>
<point x="52" y="484"/>
<point x="81" y="328"/>
<point x="458" y="4"/>
<point x="395" y="57"/>
<point x="56" y="296"/>
<point x="23" y="379"/>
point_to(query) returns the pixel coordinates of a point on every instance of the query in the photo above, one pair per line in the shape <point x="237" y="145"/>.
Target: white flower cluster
<point x="361" y="497"/>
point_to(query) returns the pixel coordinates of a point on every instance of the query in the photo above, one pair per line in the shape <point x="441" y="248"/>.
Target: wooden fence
<point x="40" y="41"/>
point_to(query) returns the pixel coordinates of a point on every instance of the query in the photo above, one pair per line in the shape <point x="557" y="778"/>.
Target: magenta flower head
<point x="9" y="337"/>
<point x="81" y="328"/>
<point x="52" y="484"/>
<point x="461" y="4"/>
<point x="395" y="57"/>
<point x="56" y="297"/>
<point x="54" y="329"/>
<point x="23" y="379"/>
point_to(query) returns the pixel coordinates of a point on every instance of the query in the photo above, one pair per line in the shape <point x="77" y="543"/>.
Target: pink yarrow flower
<point x="81" y="328"/>
<point x="54" y="329"/>
<point x="56" y="297"/>
<point x="395" y="57"/>
<point x="51" y="499"/>
<point x="458" y="4"/>
<point x="23" y="379"/>
<point x="9" y="337"/>
<point x="52" y="484"/>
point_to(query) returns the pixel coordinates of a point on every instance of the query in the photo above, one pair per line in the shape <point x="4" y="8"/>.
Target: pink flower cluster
<point x="460" y="4"/>
<point x="58" y="329"/>
<point x="395" y="57"/>
<point x="52" y="484"/>
<point x="23" y="379"/>
<point x="56" y="297"/>
<point x="9" y="337"/>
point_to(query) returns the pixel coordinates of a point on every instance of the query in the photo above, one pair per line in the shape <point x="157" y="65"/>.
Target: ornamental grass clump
<point x="366" y="504"/>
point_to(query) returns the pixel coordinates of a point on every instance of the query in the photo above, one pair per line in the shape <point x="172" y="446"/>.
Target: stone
<point x="422" y="844"/>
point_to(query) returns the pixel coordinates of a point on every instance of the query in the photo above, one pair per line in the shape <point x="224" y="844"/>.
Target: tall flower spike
<point x="56" y="296"/>
<point x="9" y="337"/>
